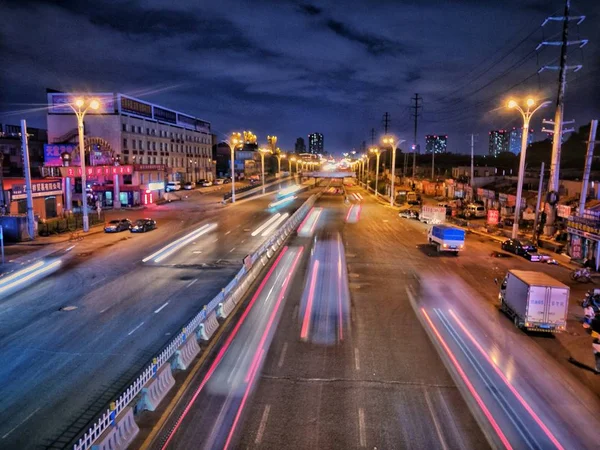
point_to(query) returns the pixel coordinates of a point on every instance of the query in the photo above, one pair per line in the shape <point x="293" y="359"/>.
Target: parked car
<point x="220" y="181"/>
<point x="448" y="207"/>
<point x="173" y="186"/>
<point x="475" y="210"/>
<point x="410" y="213"/>
<point x="519" y="247"/>
<point x="206" y="183"/>
<point x="227" y="180"/>
<point x="117" y="225"/>
<point x="143" y="225"/>
<point x="188" y="186"/>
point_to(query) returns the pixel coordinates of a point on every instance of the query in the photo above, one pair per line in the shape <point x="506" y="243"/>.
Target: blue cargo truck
<point x="447" y="238"/>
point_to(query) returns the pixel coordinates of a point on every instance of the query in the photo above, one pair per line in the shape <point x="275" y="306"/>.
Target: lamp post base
<point x="86" y="224"/>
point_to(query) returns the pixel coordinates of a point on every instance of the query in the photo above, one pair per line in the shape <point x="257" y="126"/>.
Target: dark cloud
<point x="300" y="66"/>
<point x="310" y="10"/>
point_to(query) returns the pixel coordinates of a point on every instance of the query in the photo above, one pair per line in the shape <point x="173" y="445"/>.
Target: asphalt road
<point x="422" y="358"/>
<point x="337" y="374"/>
<point x="60" y="366"/>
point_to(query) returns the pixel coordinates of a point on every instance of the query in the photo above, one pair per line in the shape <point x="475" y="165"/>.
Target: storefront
<point x="46" y="193"/>
<point x="584" y="235"/>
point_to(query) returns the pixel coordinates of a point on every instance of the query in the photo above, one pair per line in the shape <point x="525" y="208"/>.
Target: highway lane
<point x="382" y="385"/>
<point x="328" y="381"/>
<point x="59" y="365"/>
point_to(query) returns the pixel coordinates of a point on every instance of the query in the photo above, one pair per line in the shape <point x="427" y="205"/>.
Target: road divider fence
<point x="115" y="429"/>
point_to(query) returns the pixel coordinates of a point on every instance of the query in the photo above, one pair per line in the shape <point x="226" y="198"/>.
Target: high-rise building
<point x="300" y="146"/>
<point x="499" y="141"/>
<point x="435" y="143"/>
<point x="315" y="143"/>
<point x="516" y="134"/>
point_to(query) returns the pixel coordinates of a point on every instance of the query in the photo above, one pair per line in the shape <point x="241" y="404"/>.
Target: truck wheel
<point x="516" y="320"/>
<point x="438" y="248"/>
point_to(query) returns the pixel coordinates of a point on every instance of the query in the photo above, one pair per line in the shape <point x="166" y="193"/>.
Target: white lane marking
<point x="356" y="359"/>
<point x="282" y="356"/>
<point x="275" y="224"/>
<point x="21" y="423"/>
<point x="232" y="250"/>
<point x="227" y="232"/>
<point x="133" y="331"/>
<point x="191" y="282"/>
<point x="219" y="260"/>
<point x="263" y="424"/>
<point x="105" y="309"/>
<point x="438" y="429"/>
<point x="361" y="427"/>
<point x="98" y="281"/>
<point x="216" y="240"/>
<point x="161" y="308"/>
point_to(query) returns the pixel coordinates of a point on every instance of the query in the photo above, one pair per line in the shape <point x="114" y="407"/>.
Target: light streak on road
<point x="283" y="201"/>
<point x="325" y="302"/>
<point x="289" y="190"/>
<point x="467" y="382"/>
<point x="18" y="279"/>
<point x="309" y="304"/>
<point x="228" y="383"/>
<point x="308" y="225"/>
<point x="353" y="214"/>
<point x="508" y="384"/>
<point x="171" y="248"/>
<point x="275" y="224"/>
<point x="266" y="224"/>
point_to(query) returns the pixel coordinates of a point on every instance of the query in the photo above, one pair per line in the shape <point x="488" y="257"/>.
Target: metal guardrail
<point x="235" y="289"/>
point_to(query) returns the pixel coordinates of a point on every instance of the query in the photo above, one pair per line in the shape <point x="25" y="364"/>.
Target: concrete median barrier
<point x="208" y="327"/>
<point x="156" y="389"/>
<point x="225" y="308"/>
<point x="119" y="436"/>
<point x="186" y="353"/>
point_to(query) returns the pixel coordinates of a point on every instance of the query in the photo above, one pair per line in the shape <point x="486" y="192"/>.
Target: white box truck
<point x="534" y="300"/>
<point x="433" y="214"/>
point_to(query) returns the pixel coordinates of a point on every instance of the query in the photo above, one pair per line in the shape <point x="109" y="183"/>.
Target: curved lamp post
<point x="80" y="108"/>
<point x="234" y="141"/>
<point x="526" y="114"/>
<point x="377" y="152"/>
<point x="394" y="143"/>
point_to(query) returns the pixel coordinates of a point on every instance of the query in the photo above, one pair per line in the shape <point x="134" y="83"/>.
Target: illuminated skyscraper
<point x="315" y="143"/>
<point x="498" y="142"/>
<point x="436" y="143"/>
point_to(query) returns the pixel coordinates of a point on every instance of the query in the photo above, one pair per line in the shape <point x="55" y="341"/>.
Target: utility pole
<point x="588" y="165"/>
<point x="386" y="122"/>
<point x="472" y="168"/>
<point x="26" y="169"/>
<point x="537" y="205"/>
<point x="558" y="116"/>
<point x="415" y="113"/>
<point x="372" y="137"/>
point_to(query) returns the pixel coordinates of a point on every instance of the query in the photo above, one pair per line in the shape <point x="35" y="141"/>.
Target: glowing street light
<point x="394" y="143"/>
<point x="377" y="152"/>
<point x="263" y="151"/>
<point x="234" y="142"/>
<point x="526" y="114"/>
<point x="80" y="111"/>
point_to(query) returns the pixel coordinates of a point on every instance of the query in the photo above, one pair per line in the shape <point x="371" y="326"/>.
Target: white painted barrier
<point x="208" y="327"/>
<point x="156" y="389"/>
<point x="120" y="435"/>
<point x="225" y="308"/>
<point x="186" y="353"/>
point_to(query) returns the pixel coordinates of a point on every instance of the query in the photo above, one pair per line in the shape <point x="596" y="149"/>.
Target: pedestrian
<point x="596" y="350"/>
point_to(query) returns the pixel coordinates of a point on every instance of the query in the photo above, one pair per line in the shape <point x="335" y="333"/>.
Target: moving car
<point x="475" y="210"/>
<point x="187" y="186"/>
<point x="519" y="247"/>
<point x="220" y="181"/>
<point x="143" y="225"/>
<point x="117" y="225"/>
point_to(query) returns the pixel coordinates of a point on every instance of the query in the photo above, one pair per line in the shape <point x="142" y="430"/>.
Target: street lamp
<point x="377" y="153"/>
<point x="263" y="151"/>
<point x="279" y="157"/>
<point x="393" y="142"/>
<point x="512" y="104"/>
<point x="80" y="109"/>
<point x="234" y="141"/>
<point x="291" y="160"/>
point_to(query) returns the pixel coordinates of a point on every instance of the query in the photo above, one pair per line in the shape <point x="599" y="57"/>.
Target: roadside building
<point x="47" y="196"/>
<point x="12" y="154"/>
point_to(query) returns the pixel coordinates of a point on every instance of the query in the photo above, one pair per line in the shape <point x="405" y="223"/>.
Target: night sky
<point x="291" y="68"/>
